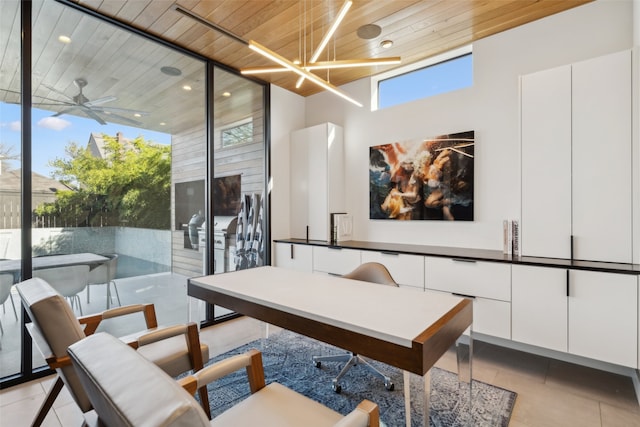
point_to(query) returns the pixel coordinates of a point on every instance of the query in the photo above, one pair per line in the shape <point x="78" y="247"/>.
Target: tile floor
<point x="550" y="392"/>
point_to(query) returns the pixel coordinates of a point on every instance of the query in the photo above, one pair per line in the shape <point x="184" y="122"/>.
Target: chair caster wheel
<point x="317" y="364"/>
<point x="336" y="388"/>
<point x="389" y="386"/>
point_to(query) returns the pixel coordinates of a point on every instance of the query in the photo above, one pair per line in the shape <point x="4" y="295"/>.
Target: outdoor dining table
<point x="86" y="258"/>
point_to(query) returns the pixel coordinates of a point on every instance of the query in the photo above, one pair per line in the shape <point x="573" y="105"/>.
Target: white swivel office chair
<point x="105" y="274"/>
<point x="68" y="281"/>
<point x="368" y="272"/>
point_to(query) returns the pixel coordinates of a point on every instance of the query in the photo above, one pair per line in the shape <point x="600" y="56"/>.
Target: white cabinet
<point x="603" y="316"/>
<point x="539" y="306"/>
<point x="406" y="270"/>
<point x="334" y="260"/>
<point x="576" y="173"/>
<point x="294" y="257"/>
<point x="586" y="313"/>
<point x="317" y="180"/>
<point x="546" y="163"/>
<point x="488" y="283"/>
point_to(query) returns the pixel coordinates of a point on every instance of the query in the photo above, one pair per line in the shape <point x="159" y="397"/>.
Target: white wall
<point x="287" y="114"/>
<point x="490" y="108"/>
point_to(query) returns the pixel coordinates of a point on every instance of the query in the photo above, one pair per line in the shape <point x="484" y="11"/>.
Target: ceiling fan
<point x="302" y="69"/>
<point x="92" y="109"/>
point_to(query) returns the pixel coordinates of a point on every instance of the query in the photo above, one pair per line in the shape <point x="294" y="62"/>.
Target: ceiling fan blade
<point x="126" y="119"/>
<point x="65" y="111"/>
<point x="89" y="112"/>
<point x="99" y="101"/>
<point x="120" y="110"/>
<point x="58" y="92"/>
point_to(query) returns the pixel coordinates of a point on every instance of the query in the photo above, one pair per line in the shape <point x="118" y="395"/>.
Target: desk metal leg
<point x="464" y="352"/>
<point x="265" y="335"/>
<point x="424" y="392"/>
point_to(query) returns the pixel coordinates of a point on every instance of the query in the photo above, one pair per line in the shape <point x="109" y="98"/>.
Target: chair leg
<point x="204" y="400"/>
<point x="13" y="304"/>
<point x="88" y="291"/>
<point x="115" y="288"/>
<point x="48" y="402"/>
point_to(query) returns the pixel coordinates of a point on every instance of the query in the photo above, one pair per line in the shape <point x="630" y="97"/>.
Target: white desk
<point x="403" y="328"/>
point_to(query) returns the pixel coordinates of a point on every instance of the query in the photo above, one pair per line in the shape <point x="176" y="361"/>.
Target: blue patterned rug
<point x="287" y="360"/>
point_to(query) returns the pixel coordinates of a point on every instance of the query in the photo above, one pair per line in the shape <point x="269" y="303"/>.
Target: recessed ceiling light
<point x="226" y="94"/>
<point x="386" y="44"/>
<point x="163" y="124"/>
<point x="186" y="87"/>
<point x="137" y="115"/>
<point x="171" y="71"/>
<point x="64" y="39"/>
<point x="369" y="31"/>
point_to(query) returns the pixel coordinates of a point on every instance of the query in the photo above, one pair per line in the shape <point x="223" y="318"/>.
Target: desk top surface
<point x="396" y="315"/>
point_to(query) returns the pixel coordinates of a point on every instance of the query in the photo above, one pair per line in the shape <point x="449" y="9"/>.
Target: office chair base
<point x="352" y="359"/>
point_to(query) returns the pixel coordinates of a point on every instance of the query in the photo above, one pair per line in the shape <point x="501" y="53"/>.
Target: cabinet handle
<point x="307" y="233"/>
<point x="463" y="260"/>
<point x="291" y="251"/>
<point x="389" y="253"/>
<point x="335" y="248"/>
<point x="463" y="295"/>
<point x="568" y="294"/>
<point x="571" y="247"/>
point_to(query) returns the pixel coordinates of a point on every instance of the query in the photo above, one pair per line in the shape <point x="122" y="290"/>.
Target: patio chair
<point x="105" y="274"/>
<point x="68" y="281"/>
<point x="142" y="395"/>
<point x="175" y="350"/>
<point x="6" y="282"/>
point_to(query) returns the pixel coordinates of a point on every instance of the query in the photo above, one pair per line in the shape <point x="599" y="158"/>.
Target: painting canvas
<point x="430" y="179"/>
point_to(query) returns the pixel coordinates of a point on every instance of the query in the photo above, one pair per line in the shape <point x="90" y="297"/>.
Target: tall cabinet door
<point x="602" y="162"/>
<point x="546" y="163"/>
<point x="317" y="180"/>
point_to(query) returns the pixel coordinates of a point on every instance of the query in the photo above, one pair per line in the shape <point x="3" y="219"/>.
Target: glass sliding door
<point x="118" y="128"/>
<point x="238" y="202"/>
<point x="10" y="190"/>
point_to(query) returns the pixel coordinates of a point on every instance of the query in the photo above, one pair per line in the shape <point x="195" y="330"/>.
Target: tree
<point x="130" y="186"/>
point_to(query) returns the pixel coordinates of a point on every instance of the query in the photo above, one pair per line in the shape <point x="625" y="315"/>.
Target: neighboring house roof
<point x="10" y="182"/>
<point x="96" y="143"/>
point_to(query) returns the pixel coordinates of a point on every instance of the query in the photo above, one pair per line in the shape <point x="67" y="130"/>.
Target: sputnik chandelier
<point x="301" y="68"/>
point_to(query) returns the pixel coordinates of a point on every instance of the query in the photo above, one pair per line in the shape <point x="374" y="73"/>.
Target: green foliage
<point x="130" y="186"/>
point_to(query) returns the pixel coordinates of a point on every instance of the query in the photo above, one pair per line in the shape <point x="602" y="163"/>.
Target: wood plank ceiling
<point x="418" y="28"/>
<point x="127" y="66"/>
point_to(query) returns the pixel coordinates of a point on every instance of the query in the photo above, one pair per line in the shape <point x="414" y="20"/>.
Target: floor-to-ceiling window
<point x="121" y="161"/>
<point x="238" y="199"/>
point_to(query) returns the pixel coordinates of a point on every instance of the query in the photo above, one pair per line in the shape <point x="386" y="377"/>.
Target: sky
<point x="50" y="135"/>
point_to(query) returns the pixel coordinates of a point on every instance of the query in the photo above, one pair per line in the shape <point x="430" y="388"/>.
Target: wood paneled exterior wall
<point x="189" y="163"/>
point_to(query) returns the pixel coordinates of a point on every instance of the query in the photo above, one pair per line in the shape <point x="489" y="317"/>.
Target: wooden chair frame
<point x="152" y="334"/>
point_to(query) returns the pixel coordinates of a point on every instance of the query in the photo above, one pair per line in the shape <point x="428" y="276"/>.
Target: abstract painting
<point x="430" y="179"/>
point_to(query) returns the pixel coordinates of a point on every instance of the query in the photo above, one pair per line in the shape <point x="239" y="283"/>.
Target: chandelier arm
<point x="278" y="59"/>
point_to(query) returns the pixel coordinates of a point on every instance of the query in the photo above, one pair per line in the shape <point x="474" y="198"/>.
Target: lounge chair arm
<point x="162" y="334"/>
<point x="92" y="321"/>
<point x="366" y="414"/>
<point x="251" y="360"/>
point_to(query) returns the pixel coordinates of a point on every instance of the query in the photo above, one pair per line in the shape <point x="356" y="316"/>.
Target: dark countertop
<point x="472" y="255"/>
